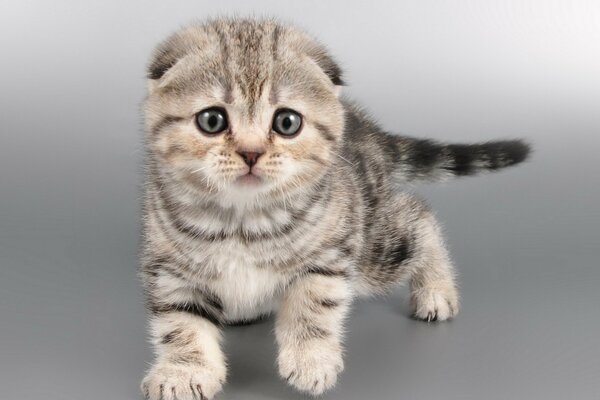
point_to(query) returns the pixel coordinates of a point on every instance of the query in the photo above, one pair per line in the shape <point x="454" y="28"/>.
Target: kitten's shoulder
<point x="360" y="125"/>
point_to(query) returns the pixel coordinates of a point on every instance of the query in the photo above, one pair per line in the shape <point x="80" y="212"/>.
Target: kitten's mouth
<point x="249" y="179"/>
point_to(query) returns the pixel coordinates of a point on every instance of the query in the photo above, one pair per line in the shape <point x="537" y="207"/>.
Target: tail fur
<point x="422" y="159"/>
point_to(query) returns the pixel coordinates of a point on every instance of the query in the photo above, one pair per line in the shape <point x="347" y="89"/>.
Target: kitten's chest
<point x="246" y="288"/>
<point x="247" y="260"/>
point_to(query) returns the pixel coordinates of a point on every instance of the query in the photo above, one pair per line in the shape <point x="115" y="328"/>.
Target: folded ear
<point x="166" y="55"/>
<point x="327" y="64"/>
<point x="320" y="56"/>
<point x="171" y="51"/>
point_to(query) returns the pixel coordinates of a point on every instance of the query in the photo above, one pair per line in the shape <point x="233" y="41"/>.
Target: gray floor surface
<point x="72" y="322"/>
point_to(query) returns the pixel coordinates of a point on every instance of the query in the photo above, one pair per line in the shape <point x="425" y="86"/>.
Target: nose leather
<point x="250" y="157"/>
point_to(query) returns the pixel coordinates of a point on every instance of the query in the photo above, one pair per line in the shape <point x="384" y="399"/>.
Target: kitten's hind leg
<point x="434" y="295"/>
<point x="406" y="245"/>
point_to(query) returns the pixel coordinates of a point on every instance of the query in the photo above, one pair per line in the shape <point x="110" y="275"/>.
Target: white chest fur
<point x="246" y="290"/>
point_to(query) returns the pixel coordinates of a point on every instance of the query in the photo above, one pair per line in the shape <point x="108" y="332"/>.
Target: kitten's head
<point x="243" y="110"/>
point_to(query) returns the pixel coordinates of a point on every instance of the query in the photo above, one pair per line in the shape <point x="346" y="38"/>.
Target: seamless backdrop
<point x="526" y="241"/>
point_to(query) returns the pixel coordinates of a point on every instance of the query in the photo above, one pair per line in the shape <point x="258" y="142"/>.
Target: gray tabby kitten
<point x="266" y="192"/>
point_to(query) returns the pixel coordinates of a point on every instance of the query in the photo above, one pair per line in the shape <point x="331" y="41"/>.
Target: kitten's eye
<point x="287" y="122"/>
<point x="212" y="120"/>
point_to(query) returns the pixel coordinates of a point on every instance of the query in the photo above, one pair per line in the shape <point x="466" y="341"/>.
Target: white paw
<point x="435" y="304"/>
<point x="312" y="369"/>
<point x="182" y="382"/>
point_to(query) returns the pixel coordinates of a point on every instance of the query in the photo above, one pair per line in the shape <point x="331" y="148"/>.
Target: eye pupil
<point x="212" y="121"/>
<point x="287" y="123"/>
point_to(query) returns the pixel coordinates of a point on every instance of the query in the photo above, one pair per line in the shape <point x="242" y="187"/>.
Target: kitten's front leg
<point x="309" y="329"/>
<point x="190" y="364"/>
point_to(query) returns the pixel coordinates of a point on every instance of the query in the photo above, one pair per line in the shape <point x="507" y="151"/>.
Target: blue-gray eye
<point x="287" y="122"/>
<point x="212" y="120"/>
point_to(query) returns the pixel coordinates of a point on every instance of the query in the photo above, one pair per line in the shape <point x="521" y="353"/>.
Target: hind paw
<point x="435" y="304"/>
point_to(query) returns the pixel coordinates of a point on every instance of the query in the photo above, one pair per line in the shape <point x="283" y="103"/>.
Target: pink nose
<point x="250" y="157"/>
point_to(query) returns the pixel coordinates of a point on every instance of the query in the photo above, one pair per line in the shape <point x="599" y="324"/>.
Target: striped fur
<point x="324" y="221"/>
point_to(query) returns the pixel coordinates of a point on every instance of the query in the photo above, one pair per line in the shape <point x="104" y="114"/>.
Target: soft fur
<point x="326" y="221"/>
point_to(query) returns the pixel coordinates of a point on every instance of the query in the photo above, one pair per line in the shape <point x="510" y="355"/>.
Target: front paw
<point x="171" y="381"/>
<point x="312" y="369"/>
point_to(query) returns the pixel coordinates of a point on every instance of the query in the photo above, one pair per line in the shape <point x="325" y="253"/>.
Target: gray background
<point x="72" y="323"/>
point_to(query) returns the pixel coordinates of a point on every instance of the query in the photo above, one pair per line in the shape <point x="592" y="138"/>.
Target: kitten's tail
<point x="422" y="159"/>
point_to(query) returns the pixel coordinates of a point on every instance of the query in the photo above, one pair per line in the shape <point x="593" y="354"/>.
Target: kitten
<point x="266" y="192"/>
